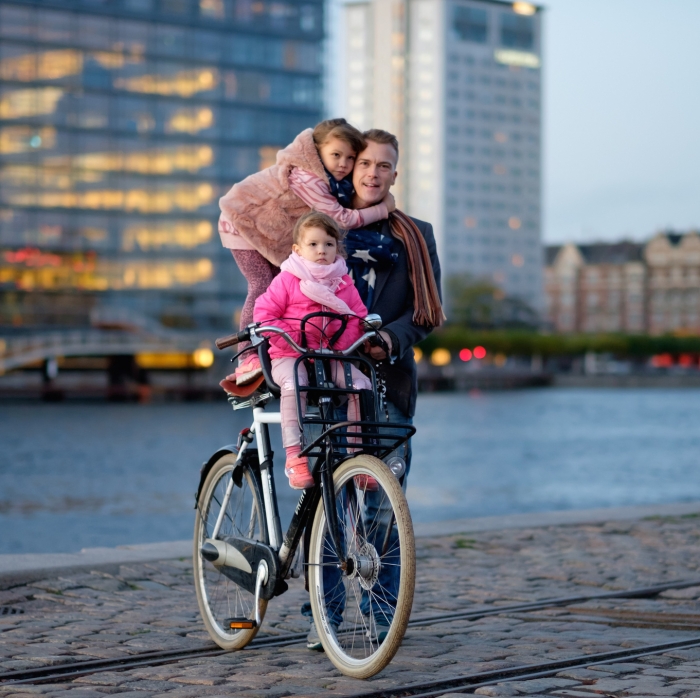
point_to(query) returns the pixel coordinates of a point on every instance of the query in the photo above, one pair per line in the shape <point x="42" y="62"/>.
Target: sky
<point x="621" y="120"/>
<point x="621" y="115"/>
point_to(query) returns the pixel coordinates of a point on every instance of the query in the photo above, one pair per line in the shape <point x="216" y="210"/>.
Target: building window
<point x="470" y="24"/>
<point x="517" y="31"/>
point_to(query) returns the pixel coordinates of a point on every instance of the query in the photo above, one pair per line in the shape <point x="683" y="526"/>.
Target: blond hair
<point x="316" y="219"/>
<point x="376" y="135"/>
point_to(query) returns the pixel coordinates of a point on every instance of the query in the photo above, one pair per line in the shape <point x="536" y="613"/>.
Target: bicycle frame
<point x="323" y="449"/>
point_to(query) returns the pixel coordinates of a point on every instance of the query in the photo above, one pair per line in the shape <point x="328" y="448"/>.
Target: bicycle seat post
<point x="261" y="419"/>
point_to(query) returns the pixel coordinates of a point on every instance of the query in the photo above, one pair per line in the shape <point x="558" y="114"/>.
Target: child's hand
<point x="390" y="202"/>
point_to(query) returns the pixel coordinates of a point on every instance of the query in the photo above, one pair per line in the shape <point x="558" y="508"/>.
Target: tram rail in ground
<point x="72" y="670"/>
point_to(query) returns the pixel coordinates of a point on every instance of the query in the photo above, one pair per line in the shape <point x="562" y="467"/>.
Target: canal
<point x="75" y="475"/>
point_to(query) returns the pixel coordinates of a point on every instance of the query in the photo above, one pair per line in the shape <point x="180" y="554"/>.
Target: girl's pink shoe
<point x="247" y="372"/>
<point x="297" y="470"/>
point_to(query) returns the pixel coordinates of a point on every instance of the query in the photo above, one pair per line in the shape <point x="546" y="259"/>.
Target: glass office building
<point x="460" y="84"/>
<point x="122" y="122"/>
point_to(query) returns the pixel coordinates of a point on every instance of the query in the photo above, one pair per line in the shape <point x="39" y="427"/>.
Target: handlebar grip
<point x="232" y="339"/>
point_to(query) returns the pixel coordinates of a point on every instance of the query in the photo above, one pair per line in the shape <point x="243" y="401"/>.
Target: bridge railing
<point x="16" y="352"/>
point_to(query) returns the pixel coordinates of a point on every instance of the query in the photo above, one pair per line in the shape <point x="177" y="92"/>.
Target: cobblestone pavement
<point x="149" y="607"/>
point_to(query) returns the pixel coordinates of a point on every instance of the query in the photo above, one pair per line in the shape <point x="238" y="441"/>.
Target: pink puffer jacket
<point x="283" y="305"/>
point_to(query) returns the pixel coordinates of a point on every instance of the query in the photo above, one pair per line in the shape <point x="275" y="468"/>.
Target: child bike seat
<point x="266" y="365"/>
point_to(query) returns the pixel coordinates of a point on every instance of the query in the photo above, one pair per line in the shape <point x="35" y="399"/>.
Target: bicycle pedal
<point x="241" y="623"/>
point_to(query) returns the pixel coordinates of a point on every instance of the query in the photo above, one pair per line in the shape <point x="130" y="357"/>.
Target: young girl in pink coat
<point x="313" y="278"/>
<point x="259" y="213"/>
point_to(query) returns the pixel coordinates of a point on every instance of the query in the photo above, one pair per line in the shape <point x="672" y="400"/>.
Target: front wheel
<point x="221" y="599"/>
<point x="361" y="607"/>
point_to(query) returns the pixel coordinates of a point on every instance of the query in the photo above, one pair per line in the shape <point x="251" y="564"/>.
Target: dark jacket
<point x="393" y="300"/>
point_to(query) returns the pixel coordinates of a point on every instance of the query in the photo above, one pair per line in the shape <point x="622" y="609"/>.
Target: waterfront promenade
<point x="113" y="604"/>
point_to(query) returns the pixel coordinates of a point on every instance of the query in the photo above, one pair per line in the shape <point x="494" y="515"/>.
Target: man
<point x="389" y="286"/>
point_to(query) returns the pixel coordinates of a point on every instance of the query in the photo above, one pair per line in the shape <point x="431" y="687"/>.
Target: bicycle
<point x="359" y="546"/>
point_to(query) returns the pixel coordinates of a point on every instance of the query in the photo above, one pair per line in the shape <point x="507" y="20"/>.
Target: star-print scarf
<point x="343" y="190"/>
<point x="368" y="252"/>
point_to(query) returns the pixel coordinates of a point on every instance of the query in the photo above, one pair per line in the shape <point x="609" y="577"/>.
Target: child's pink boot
<point x="248" y="371"/>
<point x="297" y="470"/>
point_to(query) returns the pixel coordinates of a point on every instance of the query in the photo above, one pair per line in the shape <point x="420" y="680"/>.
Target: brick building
<point x="596" y="288"/>
<point x="627" y="287"/>
<point x="673" y="283"/>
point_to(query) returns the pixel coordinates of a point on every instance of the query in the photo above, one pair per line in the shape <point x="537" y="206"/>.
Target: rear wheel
<point x="361" y="612"/>
<point x="220" y="598"/>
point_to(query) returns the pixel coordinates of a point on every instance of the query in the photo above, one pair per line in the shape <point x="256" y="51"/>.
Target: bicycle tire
<point x="352" y="648"/>
<point x="218" y="596"/>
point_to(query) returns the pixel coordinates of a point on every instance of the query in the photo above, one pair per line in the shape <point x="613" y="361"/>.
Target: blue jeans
<point x="377" y="511"/>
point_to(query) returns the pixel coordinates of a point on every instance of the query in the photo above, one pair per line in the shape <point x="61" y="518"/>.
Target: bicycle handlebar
<point x="252" y="331"/>
<point x="232" y="339"/>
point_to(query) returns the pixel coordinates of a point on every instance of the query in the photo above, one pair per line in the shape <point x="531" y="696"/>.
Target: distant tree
<point x="479" y="304"/>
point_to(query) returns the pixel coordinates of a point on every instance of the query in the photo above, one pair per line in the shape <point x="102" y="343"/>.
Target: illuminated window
<point x="211" y="8"/>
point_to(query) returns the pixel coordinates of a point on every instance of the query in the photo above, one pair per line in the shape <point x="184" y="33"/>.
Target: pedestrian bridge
<point x="16" y="352"/>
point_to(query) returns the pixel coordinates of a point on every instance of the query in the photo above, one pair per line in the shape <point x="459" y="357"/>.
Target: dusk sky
<point x="621" y="114"/>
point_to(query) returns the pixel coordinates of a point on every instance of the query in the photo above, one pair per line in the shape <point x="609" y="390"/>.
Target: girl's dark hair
<point x="316" y="219"/>
<point x="341" y="129"/>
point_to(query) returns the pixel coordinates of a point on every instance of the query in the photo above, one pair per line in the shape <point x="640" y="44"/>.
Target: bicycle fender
<point x="209" y="464"/>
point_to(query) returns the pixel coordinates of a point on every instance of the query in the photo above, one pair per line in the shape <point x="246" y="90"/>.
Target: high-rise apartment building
<point x="122" y="122"/>
<point x="459" y="83"/>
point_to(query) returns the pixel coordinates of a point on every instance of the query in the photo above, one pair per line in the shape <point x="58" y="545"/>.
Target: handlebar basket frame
<point x="319" y="433"/>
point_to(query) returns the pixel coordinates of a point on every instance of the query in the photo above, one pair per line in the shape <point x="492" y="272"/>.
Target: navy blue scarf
<point x="343" y="190"/>
<point x="368" y="252"/>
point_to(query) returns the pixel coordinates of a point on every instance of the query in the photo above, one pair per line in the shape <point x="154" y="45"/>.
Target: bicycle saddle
<point x="232" y="388"/>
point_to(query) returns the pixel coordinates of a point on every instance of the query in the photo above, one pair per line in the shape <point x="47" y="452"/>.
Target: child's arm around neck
<point x="316" y="194"/>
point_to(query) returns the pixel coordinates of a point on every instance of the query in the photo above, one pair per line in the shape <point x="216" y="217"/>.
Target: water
<point x="79" y="475"/>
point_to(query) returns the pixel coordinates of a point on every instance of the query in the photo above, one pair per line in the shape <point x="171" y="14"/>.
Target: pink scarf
<point x="319" y="282"/>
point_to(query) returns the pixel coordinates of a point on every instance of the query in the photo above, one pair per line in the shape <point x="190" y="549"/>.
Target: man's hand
<point x="378" y="353"/>
<point x="390" y="202"/>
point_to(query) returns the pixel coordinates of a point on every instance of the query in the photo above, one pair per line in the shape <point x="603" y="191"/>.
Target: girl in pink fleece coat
<point x="259" y="213"/>
<point x="313" y="278"/>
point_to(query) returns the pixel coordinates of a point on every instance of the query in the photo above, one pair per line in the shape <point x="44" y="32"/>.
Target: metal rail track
<point x="73" y="670"/>
<point x="470" y="682"/>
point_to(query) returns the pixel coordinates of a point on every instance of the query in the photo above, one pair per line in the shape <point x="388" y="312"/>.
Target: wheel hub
<point x="364" y="565"/>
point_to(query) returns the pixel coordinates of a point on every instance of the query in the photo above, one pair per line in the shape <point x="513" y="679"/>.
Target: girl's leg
<point x="296" y="467"/>
<point x="259" y="273"/>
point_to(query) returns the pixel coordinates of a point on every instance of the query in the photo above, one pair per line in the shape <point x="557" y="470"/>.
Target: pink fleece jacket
<point x="260" y="212"/>
<point x="283" y="305"/>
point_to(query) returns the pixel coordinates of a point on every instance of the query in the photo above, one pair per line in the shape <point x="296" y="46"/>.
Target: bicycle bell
<point x="397" y="465"/>
<point x="374" y="321"/>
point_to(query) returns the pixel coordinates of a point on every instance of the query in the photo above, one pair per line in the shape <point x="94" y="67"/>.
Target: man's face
<point x="374" y="173"/>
